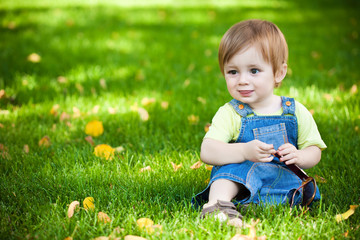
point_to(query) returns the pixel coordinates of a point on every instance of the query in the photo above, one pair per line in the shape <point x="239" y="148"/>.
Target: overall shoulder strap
<point x="288" y="105"/>
<point x="241" y="108"/>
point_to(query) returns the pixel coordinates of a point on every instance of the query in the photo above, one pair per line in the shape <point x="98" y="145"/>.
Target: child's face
<point x="250" y="79"/>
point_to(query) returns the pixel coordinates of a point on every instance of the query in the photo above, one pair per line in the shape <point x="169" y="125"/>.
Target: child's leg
<point x="224" y="190"/>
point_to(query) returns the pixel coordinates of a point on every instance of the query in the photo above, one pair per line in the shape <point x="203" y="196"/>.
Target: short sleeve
<point x="308" y="133"/>
<point x="225" y="125"/>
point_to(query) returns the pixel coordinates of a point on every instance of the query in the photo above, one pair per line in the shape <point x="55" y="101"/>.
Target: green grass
<point x="168" y="52"/>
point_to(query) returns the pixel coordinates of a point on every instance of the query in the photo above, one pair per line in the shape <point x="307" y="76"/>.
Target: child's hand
<point x="257" y="151"/>
<point x="289" y="154"/>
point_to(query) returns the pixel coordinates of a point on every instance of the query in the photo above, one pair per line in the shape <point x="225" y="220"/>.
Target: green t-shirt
<point x="226" y="126"/>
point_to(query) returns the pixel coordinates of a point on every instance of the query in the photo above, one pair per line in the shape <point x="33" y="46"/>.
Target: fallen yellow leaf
<point x="164" y="105"/>
<point x="103" y="83"/>
<point x="103" y="217"/>
<point x="64" y="116"/>
<point x="34" y="58"/>
<point x="176" y="167"/>
<point x="94" y="128"/>
<point x="68" y="238"/>
<point x="147" y="101"/>
<point x="88" y="203"/>
<point x="320" y="179"/>
<point x="54" y="109"/>
<point x="147" y="168"/>
<point x="132" y="237"/>
<point x="111" y="110"/>
<point x="201" y="100"/>
<point x="72" y="208"/>
<point x="144" y="115"/>
<point x="208" y="167"/>
<point x="354" y="89"/>
<point x="26" y="149"/>
<point x="90" y="140"/>
<point x="101" y="238"/>
<point x="119" y="149"/>
<point x="347" y="214"/>
<point x="207" y="127"/>
<point x="80" y="88"/>
<point x="62" y="79"/>
<point x="193" y="119"/>
<point x="252" y="233"/>
<point x="196" y="165"/>
<point x="45" y="142"/>
<point x="2" y="93"/>
<point x="144" y="222"/>
<point x="104" y="151"/>
<point x="95" y="109"/>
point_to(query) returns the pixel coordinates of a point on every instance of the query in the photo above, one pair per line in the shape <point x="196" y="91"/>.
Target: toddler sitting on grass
<point x="255" y="138"/>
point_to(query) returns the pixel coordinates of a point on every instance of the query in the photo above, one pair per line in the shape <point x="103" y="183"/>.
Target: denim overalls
<point x="265" y="183"/>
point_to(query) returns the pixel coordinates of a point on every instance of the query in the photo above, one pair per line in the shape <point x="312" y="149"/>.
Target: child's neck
<point x="272" y="105"/>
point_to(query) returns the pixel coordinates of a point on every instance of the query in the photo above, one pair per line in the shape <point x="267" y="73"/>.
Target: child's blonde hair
<point x="264" y="35"/>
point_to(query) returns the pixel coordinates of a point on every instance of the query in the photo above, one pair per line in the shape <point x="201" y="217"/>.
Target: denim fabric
<point x="267" y="183"/>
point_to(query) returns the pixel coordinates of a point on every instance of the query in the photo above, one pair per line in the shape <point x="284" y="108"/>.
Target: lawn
<point x="147" y="70"/>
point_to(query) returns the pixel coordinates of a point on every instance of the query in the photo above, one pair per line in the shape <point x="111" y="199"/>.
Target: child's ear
<point x="280" y="75"/>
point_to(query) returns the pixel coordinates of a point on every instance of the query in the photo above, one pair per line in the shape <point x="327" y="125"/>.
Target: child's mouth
<point x="246" y="93"/>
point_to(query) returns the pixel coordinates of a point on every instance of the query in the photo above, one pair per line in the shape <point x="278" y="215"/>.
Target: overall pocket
<point x="273" y="134"/>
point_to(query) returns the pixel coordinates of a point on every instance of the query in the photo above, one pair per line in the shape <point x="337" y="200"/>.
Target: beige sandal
<point x="222" y="210"/>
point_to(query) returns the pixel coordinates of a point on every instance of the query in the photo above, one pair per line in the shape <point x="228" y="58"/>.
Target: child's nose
<point x="242" y="79"/>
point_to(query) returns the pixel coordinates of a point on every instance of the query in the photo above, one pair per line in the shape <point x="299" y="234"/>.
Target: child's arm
<point x="304" y="158"/>
<point x="215" y="152"/>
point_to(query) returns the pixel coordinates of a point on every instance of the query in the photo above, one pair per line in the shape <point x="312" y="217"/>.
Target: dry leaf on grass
<point x="64" y="116"/>
<point x="2" y="93"/>
<point x="119" y="149"/>
<point x="193" y="120"/>
<point x="90" y="140"/>
<point x="176" y="167"/>
<point x="207" y="127"/>
<point x="347" y="214"/>
<point x="320" y="179"/>
<point x="45" y="142"/>
<point x="4" y="152"/>
<point x="95" y="109"/>
<point x="147" y="168"/>
<point x="147" y="101"/>
<point x="34" y="58"/>
<point x="196" y="165"/>
<point x="68" y="238"/>
<point x="132" y="237"/>
<point x="101" y="238"/>
<point x="144" y="115"/>
<point x="208" y="167"/>
<point x="144" y="222"/>
<point x="54" y="109"/>
<point x="353" y="89"/>
<point x="94" y="128"/>
<point x="26" y="149"/>
<point x="88" y="203"/>
<point x="164" y="105"/>
<point x="252" y="233"/>
<point x="148" y="225"/>
<point x="103" y="217"/>
<point x="72" y="207"/>
<point x="104" y="151"/>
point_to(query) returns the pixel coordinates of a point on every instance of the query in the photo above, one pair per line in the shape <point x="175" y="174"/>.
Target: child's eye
<point x="232" y="72"/>
<point x="254" y="71"/>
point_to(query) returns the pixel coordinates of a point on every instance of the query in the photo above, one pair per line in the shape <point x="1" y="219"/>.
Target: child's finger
<point x="267" y="159"/>
<point x="266" y="147"/>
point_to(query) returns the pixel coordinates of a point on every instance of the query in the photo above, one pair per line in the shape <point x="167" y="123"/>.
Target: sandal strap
<point x="228" y="208"/>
